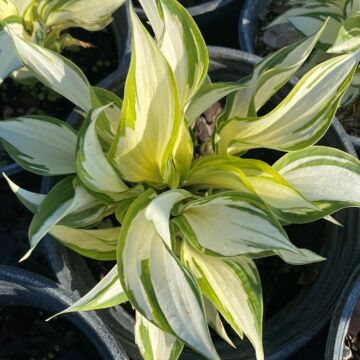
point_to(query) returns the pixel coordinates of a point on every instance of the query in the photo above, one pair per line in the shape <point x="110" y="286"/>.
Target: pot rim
<point x="23" y="288"/>
<point x="342" y="314"/>
<point x="202" y="9"/>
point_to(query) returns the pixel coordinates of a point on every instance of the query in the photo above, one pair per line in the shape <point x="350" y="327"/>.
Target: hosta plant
<point x="342" y="34"/>
<point x="184" y="232"/>
<point x="45" y="22"/>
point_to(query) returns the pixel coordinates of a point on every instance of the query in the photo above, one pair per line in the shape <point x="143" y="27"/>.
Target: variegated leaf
<point x="99" y="244"/>
<point x="159" y="210"/>
<point x="246" y="224"/>
<point x="28" y="198"/>
<point x="122" y="209"/>
<point x="268" y="76"/>
<point x="183" y="46"/>
<point x="7" y="9"/>
<point x="154" y="343"/>
<point x="305" y="256"/>
<point x="214" y="320"/>
<point x="107" y="125"/>
<point x="183" y="150"/>
<point x="328" y="177"/>
<point x="22" y="6"/>
<point x="150" y="117"/>
<point x="311" y="8"/>
<point x="300" y="119"/>
<point x="310" y="23"/>
<point x="351" y="7"/>
<point x="42" y="145"/>
<point x="67" y="202"/>
<point x="107" y="293"/>
<point x="91" y="15"/>
<point x="94" y="169"/>
<point x="309" y="16"/>
<point x="52" y="209"/>
<point x="348" y="38"/>
<point x="8" y="57"/>
<point x="254" y="176"/>
<point x="54" y="71"/>
<point x="145" y="265"/>
<point x="86" y="210"/>
<point x="181" y="43"/>
<point x="234" y="287"/>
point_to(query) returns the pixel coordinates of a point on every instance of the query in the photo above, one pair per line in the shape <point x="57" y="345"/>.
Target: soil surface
<point x="25" y="335"/>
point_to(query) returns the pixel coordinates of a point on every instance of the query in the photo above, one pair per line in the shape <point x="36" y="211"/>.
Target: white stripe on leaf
<point x="154" y="343"/>
<point x="99" y="244"/>
<point x="28" y="198"/>
<point x="326" y="176"/>
<point x="39" y="144"/>
<point x="150" y="117"/>
<point x="54" y="71"/>
<point x="145" y="266"/>
<point x="310" y="106"/>
<point x="246" y="225"/>
<point x="238" y="299"/>
<point x="106" y="293"/>
<point x="93" y="168"/>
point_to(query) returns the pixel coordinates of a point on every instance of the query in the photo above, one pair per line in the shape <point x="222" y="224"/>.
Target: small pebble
<point x="347" y="354"/>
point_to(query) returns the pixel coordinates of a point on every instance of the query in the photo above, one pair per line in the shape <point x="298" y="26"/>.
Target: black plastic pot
<point x="341" y="318"/>
<point x="248" y="22"/>
<point x="298" y="321"/>
<point x="120" y="28"/>
<point x="24" y="289"/>
<point x="204" y="12"/>
<point x="217" y="20"/>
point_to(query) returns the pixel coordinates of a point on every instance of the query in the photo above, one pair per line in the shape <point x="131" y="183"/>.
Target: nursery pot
<point x="202" y="11"/>
<point x="341" y="318"/>
<point x="302" y="317"/>
<point x="22" y="290"/>
<point x="248" y="22"/>
<point x="120" y="28"/>
<point x="217" y="19"/>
